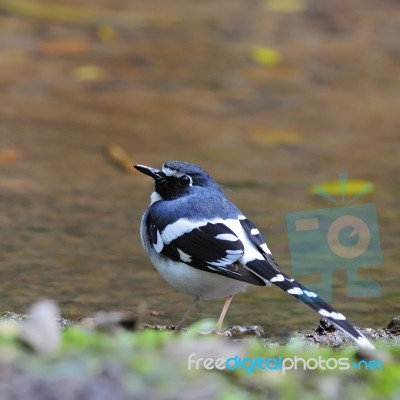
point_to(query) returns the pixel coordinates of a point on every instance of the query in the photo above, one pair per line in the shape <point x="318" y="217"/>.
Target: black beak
<point x="154" y="173"/>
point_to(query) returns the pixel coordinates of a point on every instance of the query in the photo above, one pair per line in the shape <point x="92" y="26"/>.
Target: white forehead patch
<point x="172" y="172"/>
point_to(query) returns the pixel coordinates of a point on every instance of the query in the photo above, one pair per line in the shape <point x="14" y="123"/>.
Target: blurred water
<point x="182" y="85"/>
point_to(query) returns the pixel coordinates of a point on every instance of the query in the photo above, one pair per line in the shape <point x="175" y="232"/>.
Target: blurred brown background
<point x="269" y="96"/>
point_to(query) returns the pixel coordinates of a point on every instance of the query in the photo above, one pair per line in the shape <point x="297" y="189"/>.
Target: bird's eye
<point x="184" y="180"/>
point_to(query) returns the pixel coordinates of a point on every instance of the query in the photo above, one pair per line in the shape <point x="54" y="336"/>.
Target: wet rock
<point x="325" y="327"/>
<point x="40" y="331"/>
<point x="241" y="332"/>
<point x="112" y="321"/>
<point x="160" y="327"/>
<point x="9" y="316"/>
<point x="394" y="325"/>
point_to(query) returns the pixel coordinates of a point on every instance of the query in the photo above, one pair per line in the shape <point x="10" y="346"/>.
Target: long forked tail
<point x="311" y="299"/>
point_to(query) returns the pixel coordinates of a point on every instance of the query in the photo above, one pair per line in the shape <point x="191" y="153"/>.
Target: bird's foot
<point x="220" y="333"/>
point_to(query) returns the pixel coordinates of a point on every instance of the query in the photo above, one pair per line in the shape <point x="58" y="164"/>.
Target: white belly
<point x="195" y="282"/>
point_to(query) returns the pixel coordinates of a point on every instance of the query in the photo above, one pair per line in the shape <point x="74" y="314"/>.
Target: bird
<point x="205" y="247"/>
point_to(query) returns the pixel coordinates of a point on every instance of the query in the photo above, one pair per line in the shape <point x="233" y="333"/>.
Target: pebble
<point x="394" y="325"/>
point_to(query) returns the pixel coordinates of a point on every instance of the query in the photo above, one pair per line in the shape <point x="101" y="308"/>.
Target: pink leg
<point x="189" y="310"/>
<point x="223" y="312"/>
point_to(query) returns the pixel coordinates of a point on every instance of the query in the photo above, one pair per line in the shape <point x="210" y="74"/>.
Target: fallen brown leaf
<point x="9" y="155"/>
<point x="64" y="47"/>
<point x="118" y="156"/>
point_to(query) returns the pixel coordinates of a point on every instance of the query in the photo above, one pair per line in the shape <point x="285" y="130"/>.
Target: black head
<point x="177" y="179"/>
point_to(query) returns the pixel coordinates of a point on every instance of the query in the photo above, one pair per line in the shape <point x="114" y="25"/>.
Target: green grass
<point x="154" y="364"/>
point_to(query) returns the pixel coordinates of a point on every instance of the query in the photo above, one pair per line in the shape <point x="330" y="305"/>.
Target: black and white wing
<point x="209" y="246"/>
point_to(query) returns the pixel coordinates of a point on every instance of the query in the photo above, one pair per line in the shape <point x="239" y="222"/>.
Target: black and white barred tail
<point x="311" y="299"/>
